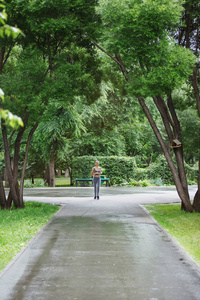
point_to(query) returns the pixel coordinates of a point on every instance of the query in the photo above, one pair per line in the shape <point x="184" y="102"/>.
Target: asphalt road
<point x="96" y="250"/>
<point x="140" y="195"/>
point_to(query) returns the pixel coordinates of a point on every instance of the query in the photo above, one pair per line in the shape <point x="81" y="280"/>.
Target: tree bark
<point x="11" y="178"/>
<point x="6" y="179"/>
<point x="24" y="165"/>
<point x="59" y="173"/>
<point x="2" y="194"/>
<point x="178" y="151"/>
<point x="173" y="131"/>
<point x="71" y="177"/>
<point x="196" y="203"/>
<point x="46" y="176"/>
<point x="51" y="171"/>
<point x="17" y="147"/>
<point x="196" y="89"/>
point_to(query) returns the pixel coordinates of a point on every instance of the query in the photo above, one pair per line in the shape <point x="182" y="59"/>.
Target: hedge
<point x="160" y="171"/>
<point x="118" y="169"/>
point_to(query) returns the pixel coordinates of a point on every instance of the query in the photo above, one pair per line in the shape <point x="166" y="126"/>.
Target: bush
<point x="142" y="183"/>
<point x="119" y="169"/>
<point x="158" y="172"/>
<point x="37" y="183"/>
<point x="192" y="173"/>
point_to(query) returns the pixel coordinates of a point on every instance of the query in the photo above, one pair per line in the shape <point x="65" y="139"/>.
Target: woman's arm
<point x="92" y="172"/>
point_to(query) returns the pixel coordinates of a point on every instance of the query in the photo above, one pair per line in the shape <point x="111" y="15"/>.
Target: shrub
<point x="158" y="171"/>
<point x="142" y="183"/>
<point x="37" y="183"/>
<point x="192" y="173"/>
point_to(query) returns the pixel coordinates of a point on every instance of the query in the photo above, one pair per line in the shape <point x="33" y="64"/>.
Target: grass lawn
<point x="17" y="227"/>
<point x="62" y="182"/>
<point x="183" y="227"/>
<point x="39" y="182"/>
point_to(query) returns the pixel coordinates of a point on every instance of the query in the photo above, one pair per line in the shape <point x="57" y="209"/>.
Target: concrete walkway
<point x="96" y="250"/>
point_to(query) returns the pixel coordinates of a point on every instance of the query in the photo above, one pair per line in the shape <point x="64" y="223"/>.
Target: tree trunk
<point x="71" y="176"/>
<point x="173" y="131"/>
<point x="2" y="194"/>
<point x="24" y="165"/>
<point x="16" y="191"/>
<point x="66" y="173"/>
<point x="182" y="194"/>
<point x="196" y="89"/>
<point x="11" y="179"/>
<point x="5" y="176"/>
<point x="46" y="176"/>
<point x="51" y="171"/>
<point x="188" y="33"/>
<point x="178" y="151"/>
<point x="196" y="203"/>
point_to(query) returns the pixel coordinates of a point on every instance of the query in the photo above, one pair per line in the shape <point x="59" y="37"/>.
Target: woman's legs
<point x="97" y="181"/>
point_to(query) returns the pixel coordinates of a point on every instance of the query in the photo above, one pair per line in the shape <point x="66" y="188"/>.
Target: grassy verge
<point x="17" y="227"/>
<point x="183" y="227"/>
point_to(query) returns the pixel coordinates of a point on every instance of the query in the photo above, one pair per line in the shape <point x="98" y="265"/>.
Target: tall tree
<point x="138" y="40"/>
<point x="60" y="123"/>
<point x="188" y="36"/>
<point x="54" y="40"/>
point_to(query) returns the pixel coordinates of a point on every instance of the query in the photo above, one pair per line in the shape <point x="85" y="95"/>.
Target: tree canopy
<point x="82" y="78"/>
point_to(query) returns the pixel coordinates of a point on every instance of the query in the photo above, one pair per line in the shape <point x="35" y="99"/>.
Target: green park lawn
<point x="18" y="226"/>
<point x="62" y="182"/>
<point x="183" y="227"/>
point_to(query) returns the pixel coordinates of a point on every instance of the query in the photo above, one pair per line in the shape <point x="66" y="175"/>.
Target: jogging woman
<point x="96" y="172"/>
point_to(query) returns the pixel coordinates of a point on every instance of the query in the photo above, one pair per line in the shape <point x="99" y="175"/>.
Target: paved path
<point x="96" y="250"/>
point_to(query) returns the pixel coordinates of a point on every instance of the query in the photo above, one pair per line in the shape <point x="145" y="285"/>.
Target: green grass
<point x="183" y="227"/>
<point x="17" y="227"/>
<point x="39" y="182"/>
<point x="62" y="182"/>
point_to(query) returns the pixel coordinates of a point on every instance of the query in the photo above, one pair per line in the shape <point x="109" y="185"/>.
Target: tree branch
<point x="108" y="54"/>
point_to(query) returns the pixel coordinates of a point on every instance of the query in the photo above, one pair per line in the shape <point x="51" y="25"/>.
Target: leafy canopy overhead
<point x="139" y="32"/>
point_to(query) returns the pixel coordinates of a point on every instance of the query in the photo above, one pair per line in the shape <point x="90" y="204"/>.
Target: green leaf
<point x="12" y="120"/>
<point x="2" y="94"/>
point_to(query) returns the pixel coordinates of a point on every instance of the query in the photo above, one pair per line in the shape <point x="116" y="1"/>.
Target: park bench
<point x="90" y="179"/>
